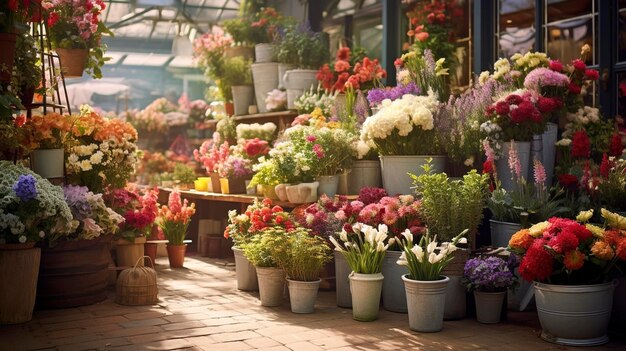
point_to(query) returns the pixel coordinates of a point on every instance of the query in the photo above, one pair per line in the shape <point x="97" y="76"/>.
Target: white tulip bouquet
<point x="426" y="259"/>
<point x="364" y="248"/>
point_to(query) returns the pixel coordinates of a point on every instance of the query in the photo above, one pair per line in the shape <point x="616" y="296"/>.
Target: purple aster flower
<point x="26" y="187"/>
<point x="488" y="274"/>
<point x="76" y="198"/>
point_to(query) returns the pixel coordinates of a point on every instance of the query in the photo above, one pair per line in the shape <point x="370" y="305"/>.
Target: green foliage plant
<point x="451" y="206"/>
<point x="259" y="250"/>
<point x="237" y="71"/>
<point x="301" y="255"/>
<point x="184" y="174"/>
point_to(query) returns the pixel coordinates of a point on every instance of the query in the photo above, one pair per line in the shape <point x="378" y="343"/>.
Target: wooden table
<point x="215" y="206"/>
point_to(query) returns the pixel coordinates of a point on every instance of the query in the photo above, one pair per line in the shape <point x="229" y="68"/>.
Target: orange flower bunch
<point x="48" y="131"/>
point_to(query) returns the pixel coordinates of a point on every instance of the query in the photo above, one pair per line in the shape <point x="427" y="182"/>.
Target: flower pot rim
<point x="319" y="280"/>
<point x="258" y="64"/>
<point x="574" y="288"/>
<point x="405" y="277"/>
<point x="496" y="221"/>
<point x="411" y="156"/>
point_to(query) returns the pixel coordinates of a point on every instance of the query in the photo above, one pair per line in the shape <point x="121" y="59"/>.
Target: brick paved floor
<point x="201" y="309"/>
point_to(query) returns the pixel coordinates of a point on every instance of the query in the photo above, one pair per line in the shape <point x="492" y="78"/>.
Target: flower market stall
<point x="314" y="173"/>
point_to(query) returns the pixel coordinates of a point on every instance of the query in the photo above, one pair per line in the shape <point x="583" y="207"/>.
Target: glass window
<point x="559" y="10"/>
<point x="621" y="33"/>
<point x="570" y="25"/>
<point x="368" y="34"/>
<point x="566" y="38"/>
<point x="516" y="31"/>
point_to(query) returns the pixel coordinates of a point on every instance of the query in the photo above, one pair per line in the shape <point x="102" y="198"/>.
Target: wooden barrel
<point x="74" y="273"/>
<point x="19" y="266"/>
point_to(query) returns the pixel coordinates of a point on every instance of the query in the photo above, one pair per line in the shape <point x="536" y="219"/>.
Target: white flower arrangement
<point x="398" y="123"/>
<point x="264" y="131"/>
<point x="313" y="98"/>
<point x="276" y="100"/>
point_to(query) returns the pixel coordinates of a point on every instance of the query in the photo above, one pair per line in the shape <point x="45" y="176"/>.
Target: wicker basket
<point x="137" y="285"/>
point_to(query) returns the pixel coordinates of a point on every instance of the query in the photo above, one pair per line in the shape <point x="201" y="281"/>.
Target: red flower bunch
<point x="254" y="148"/>
<point x="138" y="209"/>
<point x="258" y="216"/>
<point x="581" y="145"/>
<point x="348" y="70"/>
<point x="520" y="115"/>
<point x="565" y="251"/>
<point x="268" y="21"/>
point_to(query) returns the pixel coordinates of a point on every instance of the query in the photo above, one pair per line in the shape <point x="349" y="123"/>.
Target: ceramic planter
<point x="394" y="294"/>
<point x="246" y="272"/>
<point x="297" y="81"/>
<point x="394" y="171"/>
<point x="264" y="52"/>
<point x="328" y="185"/>
<point x="501" y="232"/>
<point x="271" y="286"/>
<point x="489" y="306"/>
<point x="574" y="315"/>
<point x="302" y="295"/>
<point x="502" y="164"/>
<point x="48" y="163"/>
<point x="426" y="302"/>
<point x="342" y="272"/>
<point x="281" y="192"/>
<point x="243" y="97"/>
<point x="366" y="290"/>
<point x="265" y="78"/>
<point x="302" y="193"/>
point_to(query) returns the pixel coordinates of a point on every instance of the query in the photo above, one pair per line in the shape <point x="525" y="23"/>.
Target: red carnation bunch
<point x="566" y="251"/>
<point x="520" y="115"/>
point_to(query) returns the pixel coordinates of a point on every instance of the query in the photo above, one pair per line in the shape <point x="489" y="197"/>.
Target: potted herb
<point x="364" y="248"/>
<point x="184" y="176"/>
<point x="489" y="278"/>
<point x="238" y="76"/>
<point x="26" y="71"/>
<point x="302" y="256"/>
<point x="306" y="51"/>
<point x="259" y="251"/>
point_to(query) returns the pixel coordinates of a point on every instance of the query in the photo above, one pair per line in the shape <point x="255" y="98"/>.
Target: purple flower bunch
<point x="26" y="187"/>
<point x="76" y="198"/>
<point x="376" y="96"/>
<point x="488" y="274"/>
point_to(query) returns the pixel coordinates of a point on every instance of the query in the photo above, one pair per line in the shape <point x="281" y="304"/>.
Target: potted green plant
<point x="488" y="278"/>
<point x="302" y="256"/>
<point x="258" y="250"/>
<point x="48" y="135"/>
<point x="174" y="220"/>
<point x="26" y="70"/>
<point x="10" y="126"/>
<point x="239" y="29"/>
<point x="364" y="249"/>
<point x="425" y="285"/>
<point x="238" y="76"/>
<point x="306" y="51"/>
<point x="184" y="176"/>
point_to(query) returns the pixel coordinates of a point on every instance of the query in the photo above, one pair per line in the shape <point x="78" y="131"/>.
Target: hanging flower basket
<point x="73" y="61"/>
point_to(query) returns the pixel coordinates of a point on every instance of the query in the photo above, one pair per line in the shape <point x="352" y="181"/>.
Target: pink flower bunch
<point x="211" y="153"/>
<point x="80" y="14"/>
<point x="176" y="210"/>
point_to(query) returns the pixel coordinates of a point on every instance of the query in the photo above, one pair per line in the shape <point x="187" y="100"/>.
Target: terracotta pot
<point x="7" y="55"/>
<point x="176" y="255"/>
<point x="72" y="61"/>
<point x="215" y="182"/>
<point x="230" y="108"/>
<point x="150" y="250"/>
<point x="128" y="252"/>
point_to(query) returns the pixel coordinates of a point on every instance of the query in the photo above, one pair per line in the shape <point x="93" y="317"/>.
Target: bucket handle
<point x="141" y="258"/>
